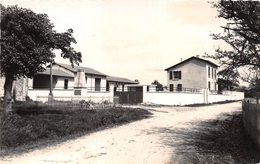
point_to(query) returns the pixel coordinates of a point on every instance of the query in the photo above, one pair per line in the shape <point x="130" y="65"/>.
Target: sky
<point x="133" y="39"/>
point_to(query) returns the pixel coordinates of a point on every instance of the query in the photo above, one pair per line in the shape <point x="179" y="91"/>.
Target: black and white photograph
<point x="129" y="81"/>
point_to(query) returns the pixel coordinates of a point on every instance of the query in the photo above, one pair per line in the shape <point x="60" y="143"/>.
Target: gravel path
<point x="141" y="142"/>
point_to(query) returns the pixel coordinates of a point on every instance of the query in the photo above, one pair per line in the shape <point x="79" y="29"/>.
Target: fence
<point x="251" y="120"/>
<point x="79" y="102"/>
<point x="174" y="89"/>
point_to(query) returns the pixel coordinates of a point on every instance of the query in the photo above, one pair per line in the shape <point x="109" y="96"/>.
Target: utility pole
<point x="50" y="98"/>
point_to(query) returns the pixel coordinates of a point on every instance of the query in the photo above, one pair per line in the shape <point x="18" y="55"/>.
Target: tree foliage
<point x="159" y="86"/>
<point x="242" y="33"/>
<point x="27" y="41"/>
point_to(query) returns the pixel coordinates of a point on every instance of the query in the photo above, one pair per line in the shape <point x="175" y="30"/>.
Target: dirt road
<point x="147" y="141"/>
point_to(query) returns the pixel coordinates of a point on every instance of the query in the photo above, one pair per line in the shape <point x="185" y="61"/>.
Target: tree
<point x="137" y="81"/>
<point x="242" y="33"/>
<point x="159" y="86"/>
<point x="27" y="42"/>
<point x="226" y="84"/>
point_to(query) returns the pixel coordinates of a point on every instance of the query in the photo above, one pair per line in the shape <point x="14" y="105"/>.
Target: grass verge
<point x="31" y="127"/>
<point x="218" y="141"/>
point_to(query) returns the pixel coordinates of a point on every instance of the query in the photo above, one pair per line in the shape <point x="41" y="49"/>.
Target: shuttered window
<point x="177" y="74"/>
<point x="171" y="87"/>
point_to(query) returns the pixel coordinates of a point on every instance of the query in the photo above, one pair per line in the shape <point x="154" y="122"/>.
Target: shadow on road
<point x="213" y="141"/>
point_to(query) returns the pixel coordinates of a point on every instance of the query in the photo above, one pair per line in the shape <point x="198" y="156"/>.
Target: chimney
<point x="181" y="59"/>
<point x="80" y="80"/>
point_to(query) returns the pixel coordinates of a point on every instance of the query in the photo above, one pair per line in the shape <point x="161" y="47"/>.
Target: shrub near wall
<point x="251" y="121"/>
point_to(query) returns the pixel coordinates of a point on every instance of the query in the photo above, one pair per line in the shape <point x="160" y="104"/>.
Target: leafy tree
<point x="242" y="33"/>
<point x="27" y="42"/>
<point x="159" y="86"/>
<point x="226" y="84"/>
<point x="137" y="81"/>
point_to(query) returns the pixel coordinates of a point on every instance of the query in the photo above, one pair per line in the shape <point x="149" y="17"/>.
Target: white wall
<point x="60" y="82"/>
<point x="33" y="93"/>
<point x="175" y="98"/>
<point x="172" y="98"/>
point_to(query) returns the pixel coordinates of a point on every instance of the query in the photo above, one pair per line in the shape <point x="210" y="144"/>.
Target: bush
<point x="34" y="122"/>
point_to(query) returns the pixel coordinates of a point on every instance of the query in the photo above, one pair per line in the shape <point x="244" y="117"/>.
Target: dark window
<point x="107" y="87"/>
<point x="97" y="84"/>
<point x="177" y="74"/>
<point x="209" y="71"/>
<point x="209" y="85"/>
<point x="170" y="75"/>
<point x="66" y="82"/>
<point x="147" y="88"/>
<point x="179" y="87"/>
<point x="171" y="87"/>
<point x="212" y="73"/>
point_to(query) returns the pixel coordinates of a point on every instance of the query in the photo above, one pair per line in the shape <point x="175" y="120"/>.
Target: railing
<point x="73" y="102"/>
<point x="176" y="89"/>
<point x="90" y="89"/>
<point x="98" y="89"/>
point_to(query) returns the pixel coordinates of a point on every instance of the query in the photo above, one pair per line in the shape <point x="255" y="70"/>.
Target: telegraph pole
<point x="51" y="83"/>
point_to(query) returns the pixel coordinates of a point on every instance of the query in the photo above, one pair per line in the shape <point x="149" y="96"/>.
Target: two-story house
<point x="193" y="72"/>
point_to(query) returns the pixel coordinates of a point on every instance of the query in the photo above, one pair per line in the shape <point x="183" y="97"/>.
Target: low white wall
<point x="178" y="98"/>
<point x="67" y="93"/>
<point x="217" y="98"/>
<point x="33" y="93"/>
<point x="229" y="95"/>
<point x="167" y="98"/>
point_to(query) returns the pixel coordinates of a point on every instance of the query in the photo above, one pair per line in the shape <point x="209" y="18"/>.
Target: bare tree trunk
<point x="8" y="93"/>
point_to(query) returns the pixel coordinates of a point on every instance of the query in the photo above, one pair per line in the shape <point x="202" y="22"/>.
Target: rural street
<point x="149" y="141"/>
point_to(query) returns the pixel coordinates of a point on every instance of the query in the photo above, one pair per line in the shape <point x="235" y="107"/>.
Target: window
<point x="97" y="84"/>
<point x="66" y="81"/>
<point x="215" y="73"/>
<point x="107" y="87"/>
<point x="171" y="87"/>
<point x="177" y="74"/>
<point x="170" y="75"/>
<point x="209" y="71"/>
<point x="209" y="85"/>
<point x="179" y="87"/>
<point x="212" y="73"/>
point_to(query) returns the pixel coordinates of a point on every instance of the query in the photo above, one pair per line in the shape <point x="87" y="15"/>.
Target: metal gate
<point x="132" y="96"/>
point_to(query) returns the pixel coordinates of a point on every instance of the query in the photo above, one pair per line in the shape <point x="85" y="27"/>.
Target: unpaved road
<point x="147" y="141"/>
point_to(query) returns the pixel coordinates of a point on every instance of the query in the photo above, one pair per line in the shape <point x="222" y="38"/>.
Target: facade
<point x="193" y="72"/>
<point x="120" y="83"/>
<point x="65" y="79"/>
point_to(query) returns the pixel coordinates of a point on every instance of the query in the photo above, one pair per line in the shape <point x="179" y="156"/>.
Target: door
<point x="133" y="96"/>
<point x="97" y="84"/>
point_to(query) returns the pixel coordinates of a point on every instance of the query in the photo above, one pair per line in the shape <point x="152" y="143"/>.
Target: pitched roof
<point x="86" y="69"/>
<point x="55" y="72"/>
<point x="193" y="57"/>
<point x="120" y="79"/>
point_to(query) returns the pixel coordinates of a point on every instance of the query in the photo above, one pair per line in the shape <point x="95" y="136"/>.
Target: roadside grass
<point x="219" y="102"/>
<point x="31" y="126"/>
<point x="189" y="105"/>
<point x="217" y="141"/>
